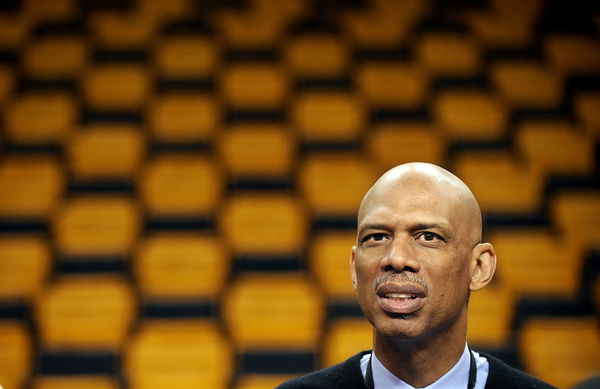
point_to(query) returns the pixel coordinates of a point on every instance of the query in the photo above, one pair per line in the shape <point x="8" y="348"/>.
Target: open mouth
<point x="401" y="299"/>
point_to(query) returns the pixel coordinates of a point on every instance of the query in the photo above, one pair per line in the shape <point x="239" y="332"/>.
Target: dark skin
<point x="417" y="258"/>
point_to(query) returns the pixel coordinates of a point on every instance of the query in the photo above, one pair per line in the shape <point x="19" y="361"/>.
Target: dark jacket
<point x="347" y="375"/>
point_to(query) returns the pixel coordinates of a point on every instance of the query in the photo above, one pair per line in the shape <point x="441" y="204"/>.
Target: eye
<point x="376" y="237"/>
<point x="429" y="236"/>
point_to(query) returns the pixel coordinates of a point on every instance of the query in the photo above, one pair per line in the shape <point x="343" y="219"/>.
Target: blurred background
<point x="179" y="180"/>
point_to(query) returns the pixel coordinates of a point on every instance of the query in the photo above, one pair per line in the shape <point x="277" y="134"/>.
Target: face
<point x="414" y="259"/>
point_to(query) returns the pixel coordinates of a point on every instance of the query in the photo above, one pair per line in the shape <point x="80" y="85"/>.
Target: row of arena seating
<point x="179" y="180"/>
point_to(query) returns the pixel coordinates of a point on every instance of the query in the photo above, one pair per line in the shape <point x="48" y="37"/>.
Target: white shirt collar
<point x="456" y="378"/>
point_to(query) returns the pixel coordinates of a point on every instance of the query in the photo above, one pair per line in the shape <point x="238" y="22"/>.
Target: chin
<point x="399" y="327"/>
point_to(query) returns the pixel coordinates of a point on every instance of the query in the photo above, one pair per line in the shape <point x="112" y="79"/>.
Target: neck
<point x="420" y="362"/>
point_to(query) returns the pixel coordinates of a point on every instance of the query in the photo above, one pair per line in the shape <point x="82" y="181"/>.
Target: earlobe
<point x="483" y="266"/>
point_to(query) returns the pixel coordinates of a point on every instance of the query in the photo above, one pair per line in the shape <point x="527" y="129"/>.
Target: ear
<point x="353" y="268"/>
<point x="483" y="266"/>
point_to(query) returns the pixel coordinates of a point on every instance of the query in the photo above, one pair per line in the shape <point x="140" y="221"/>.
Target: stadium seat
<point x="328" y="116"/>
<point x="178" y="354"/>
<point x="391" y="84"/>
<point x="74" y="382"/>
<point x="180" y="185"/>
<point x="273" y="311"/>
<point x="120" y="86"/>
<point x="263" y="223"/>
<point x="30" y="186"/>
<point x="186" y="56"/>
<point x="334" y="184"/>
<point x="346" y="337"/>
<point x="251" y="29"/>
<point x="561" y="350"/>
<point x="470" y="115"/>
<point x="252" y="150"/>
<point x="577" y="214"/>
<point x="85" y="312"/>
<point x="491" y="315"/>
<point x="162" y="12"/>
<point x="54" y="11"/>
<point x="14" y="30"/>
<point x="181" y="266"/>
<point x="55" y="57"/>
<point x="556" y="147"/>
<point x="501" y="29"/>
<point x="40" y="117"/>
<point x="317" y="55"/>
<point x="572" y="54"/>
<point x="97" y="226"/>
<point x="106" y="151"/>
<point x="447" y="54"/>
<point x="500" y="182"/>
<point x="114" y="30"/>
<point x="537" y="262"/>
<point x="527" y="84"/>
<point x="259" y="86"/>
<point x="25" y="262"/>
<point x="587" y="108"/>
<point x="394" y="143"/>
<point x="17" y="353"/>
<point x="7" y="83"/>
<point x="329" y="253"/>
<point x="183" y="117"/>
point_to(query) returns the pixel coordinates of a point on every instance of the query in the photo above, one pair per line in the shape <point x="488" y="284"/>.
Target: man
<point x="418" y="256"/>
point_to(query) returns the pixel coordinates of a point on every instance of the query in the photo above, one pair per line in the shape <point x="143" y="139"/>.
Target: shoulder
<point x="502" y="376"/>
<point x="343" y="375"/>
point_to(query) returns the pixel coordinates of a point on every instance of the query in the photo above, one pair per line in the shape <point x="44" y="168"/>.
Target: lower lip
<point x="403" y="307"/>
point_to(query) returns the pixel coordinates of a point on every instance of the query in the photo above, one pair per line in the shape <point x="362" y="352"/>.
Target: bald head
<point x="432" y="183"/>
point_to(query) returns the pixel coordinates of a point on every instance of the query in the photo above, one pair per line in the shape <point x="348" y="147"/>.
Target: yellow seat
<point x="74" y="382"/>
<point x="572" y="54"/>
<point x="268" y="223"/>
<point x="261" y="381"/>
<point x="30" y="186"/>
<point x="186" y="56"/>
<point x="251" y="28"/>
<point x="181" y="185"/>
<point x="334" y="185"/>
<point x="121" y="30"/>
<point x="561" y="350"/>
<point x="556" y="147"/>
<point x="96" y="226"/>
<point x="329" y="116"/>
<point x="346" y="337"/>
<point x="40" y="117"/>
<point x="257" y="150"/>
<point x="254" y="86"/>
<point x="51" y="11"/>
<point x="447" y="54"/>
<point x="14" y="30"/>
<point x="491" y="315"/>
<point x="329" y="255"/>
<point x="106" y="151"/>
<point x="90" y="312"/>
<point x="384" y="24"/>
<point x="495" y="28"/>
<point x="317" y="55"/>
<point x="587" y="108"/>
<point x="527" y="84"/>
<point x="537" y="262"/>
<point x="16" y="356"/>
<point x="7" y="83"/>
<point x="163" y="11"/>
<point x="500" y="182"/>
<point x="470" y="115"/>
<point x="183" y="117"/>
<point x="116" y="86"/>
<point x="181" y="266"/>
<point x="391" y="84"/>
<point x="577" y="215"/>
<point x="24" y="265"/>
<point x="273" y="311"/>
<point x="178" y="354"/>
<point x="55" y="57"/>
<point x="392" y="144"/>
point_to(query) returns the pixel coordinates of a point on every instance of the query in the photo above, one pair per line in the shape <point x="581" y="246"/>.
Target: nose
<point x="401" y="256"/>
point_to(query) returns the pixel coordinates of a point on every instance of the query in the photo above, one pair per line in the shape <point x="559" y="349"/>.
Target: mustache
<point x="402" y="277"/>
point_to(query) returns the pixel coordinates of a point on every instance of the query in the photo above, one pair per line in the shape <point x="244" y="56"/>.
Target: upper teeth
<point x="402" y="296"/>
